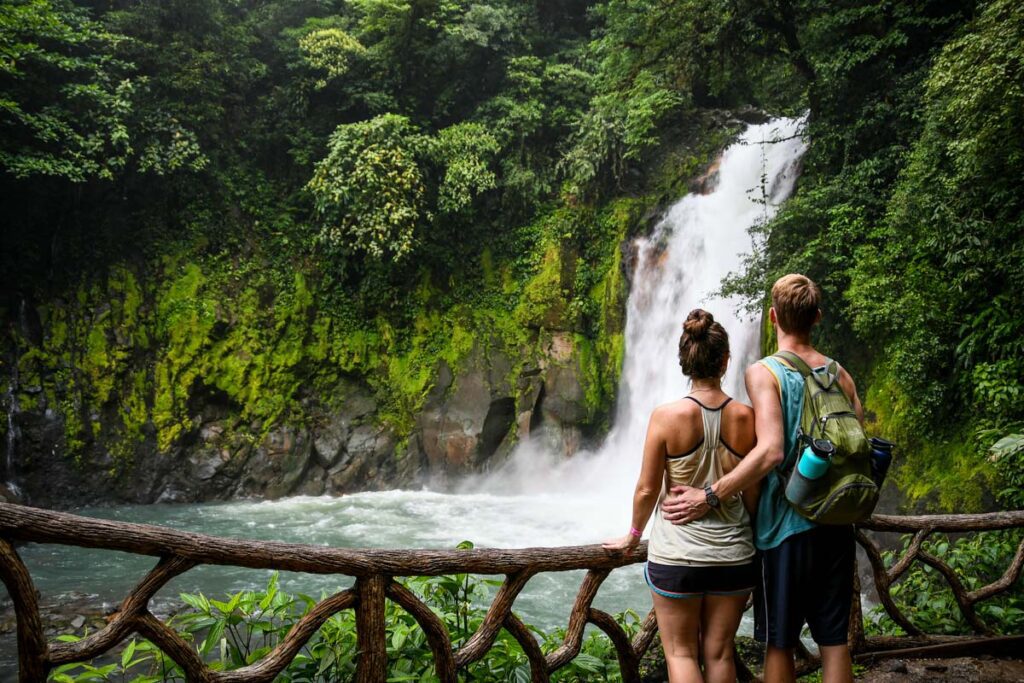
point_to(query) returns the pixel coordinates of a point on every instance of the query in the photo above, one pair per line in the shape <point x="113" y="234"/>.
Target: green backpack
<point x="846" y="493"/>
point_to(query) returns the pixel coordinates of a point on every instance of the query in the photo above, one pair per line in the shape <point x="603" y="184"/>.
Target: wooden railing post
<point x="372" y="662"/>
<point x="855" y="635"/>
<point x="33" y="663"/>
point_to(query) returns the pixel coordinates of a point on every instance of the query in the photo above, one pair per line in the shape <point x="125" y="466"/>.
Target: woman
<point x="701" y="573"/>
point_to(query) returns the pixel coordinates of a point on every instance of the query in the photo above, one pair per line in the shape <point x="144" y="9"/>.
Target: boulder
<point x="277" y="465"/>
<point x="334" y="428"/>
<point x="468" y="418"/>
<point x="564" y="401"/>
<point x="368" y="453"/>
<point x="314" y="483"/>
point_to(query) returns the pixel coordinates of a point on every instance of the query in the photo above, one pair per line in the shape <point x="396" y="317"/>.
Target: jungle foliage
<point x="244" y="627"/>
<point x="421" y="162"/>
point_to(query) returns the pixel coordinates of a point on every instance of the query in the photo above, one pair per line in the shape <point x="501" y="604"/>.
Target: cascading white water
<point x="701" y="239"/>
<point x="539" y="499"/>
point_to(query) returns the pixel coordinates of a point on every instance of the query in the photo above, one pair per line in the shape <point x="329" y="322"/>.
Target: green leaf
<point x="127" y="654"/>
<point x="213" y="637"/>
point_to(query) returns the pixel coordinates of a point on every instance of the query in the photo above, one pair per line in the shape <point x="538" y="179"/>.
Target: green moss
<point x="260" y="340"/>
<point x="186" y="315"/>
<point x="932" y="470"/>
<point x="543" y="301"/>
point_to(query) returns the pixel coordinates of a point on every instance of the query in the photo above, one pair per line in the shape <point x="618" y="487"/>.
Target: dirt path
<point x="957" y="670"/>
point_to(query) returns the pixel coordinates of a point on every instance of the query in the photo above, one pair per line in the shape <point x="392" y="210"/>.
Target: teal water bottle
<point x="812" y="465"/>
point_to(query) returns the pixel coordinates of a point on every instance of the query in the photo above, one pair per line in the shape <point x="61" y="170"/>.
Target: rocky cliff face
<point x="197" y="378"/>
<point x="470" y="421"/>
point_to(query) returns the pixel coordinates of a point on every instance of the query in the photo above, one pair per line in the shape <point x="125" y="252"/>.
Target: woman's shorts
<point x="679" y="581"/>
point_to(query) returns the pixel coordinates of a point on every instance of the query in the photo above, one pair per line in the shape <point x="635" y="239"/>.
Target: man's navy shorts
<point x="806" y="578"/>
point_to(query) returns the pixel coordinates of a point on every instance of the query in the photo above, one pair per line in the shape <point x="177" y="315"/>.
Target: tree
<point x="69" y="105"/>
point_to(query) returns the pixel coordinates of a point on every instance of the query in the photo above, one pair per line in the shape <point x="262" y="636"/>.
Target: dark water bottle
<point x="812" y="465"/>
<point x="881" y="458"/>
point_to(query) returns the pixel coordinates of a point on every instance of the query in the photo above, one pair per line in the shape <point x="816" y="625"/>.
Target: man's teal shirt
<point x="776" y="519"/>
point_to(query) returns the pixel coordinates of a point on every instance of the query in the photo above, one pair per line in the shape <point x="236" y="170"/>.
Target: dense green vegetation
<point x="908" y="217"/>
<point x="254" y="198"/>
<point x="244" y="627"/>
<point x="925" y="598"/>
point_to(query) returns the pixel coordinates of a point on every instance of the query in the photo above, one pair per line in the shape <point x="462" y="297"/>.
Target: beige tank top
<point x="721" y="537"/>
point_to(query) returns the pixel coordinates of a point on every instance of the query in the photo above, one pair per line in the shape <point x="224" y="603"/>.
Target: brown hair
<point x="796" y="300"/>
<point x="703" y="346"/>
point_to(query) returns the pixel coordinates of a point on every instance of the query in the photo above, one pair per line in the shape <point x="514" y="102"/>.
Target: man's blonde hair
<point x="796" y="300"/>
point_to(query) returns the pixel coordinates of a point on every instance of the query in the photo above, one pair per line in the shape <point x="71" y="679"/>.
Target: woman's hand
<point x="619" y="544"/>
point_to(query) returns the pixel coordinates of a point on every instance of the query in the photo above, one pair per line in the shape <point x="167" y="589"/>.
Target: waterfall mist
<point x="680" y="266"/>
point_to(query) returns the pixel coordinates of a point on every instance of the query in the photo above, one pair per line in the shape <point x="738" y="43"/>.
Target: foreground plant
<point x="236" y="632"/>
<point x="926" y="599"/>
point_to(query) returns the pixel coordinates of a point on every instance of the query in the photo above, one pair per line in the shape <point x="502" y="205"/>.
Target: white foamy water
<point x="701" y="239"/>
<point x="539" y="499"/>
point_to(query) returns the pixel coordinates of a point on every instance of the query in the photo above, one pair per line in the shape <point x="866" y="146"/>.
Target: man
<point x="807" y="573"/>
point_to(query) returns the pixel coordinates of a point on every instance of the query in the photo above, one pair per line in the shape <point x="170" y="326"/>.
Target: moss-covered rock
<point x="202" y="375"/>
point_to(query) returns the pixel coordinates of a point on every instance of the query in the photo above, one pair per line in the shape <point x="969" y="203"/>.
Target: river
<point x="539" y="498"/>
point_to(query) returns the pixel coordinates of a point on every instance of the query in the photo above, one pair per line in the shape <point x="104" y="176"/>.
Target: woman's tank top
<point x="722" y="536"/>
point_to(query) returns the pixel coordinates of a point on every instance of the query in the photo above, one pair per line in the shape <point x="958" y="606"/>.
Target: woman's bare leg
<point x="719" y="621"/>
<point x="679" y="626"/>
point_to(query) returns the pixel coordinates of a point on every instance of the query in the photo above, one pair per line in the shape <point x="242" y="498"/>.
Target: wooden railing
<point x="375" y="570"/>
<point x="916" y="642"/>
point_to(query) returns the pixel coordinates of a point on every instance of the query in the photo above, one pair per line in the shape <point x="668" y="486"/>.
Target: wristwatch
<point x="711" y="498"/>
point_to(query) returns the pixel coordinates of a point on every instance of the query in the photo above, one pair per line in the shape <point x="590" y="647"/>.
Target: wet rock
<point x="277" y="466"/>
<point x="173" y="494"/>
<point x="411" y="465"/>
<point x="453" y="416"/>
<point x="335" y="427"/>
<point x="528" y="408"/>
<point x="206" y="462"/>
<point x="314" y="483"/>
<point x="564" y="400"/>
<point x="467" y="419"/>
<point x="369" y="451"/>
<point x="329" y="442"/>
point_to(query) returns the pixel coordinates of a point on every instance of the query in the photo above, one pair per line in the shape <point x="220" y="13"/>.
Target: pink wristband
<point x="636" y="532"/>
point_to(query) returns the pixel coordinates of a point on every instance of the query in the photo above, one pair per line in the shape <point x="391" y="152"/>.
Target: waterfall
<point x="680" y="266"/>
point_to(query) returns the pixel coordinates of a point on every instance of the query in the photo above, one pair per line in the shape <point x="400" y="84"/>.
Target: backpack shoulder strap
<point x="831" y="372"/>
<point x="796" y="361"/>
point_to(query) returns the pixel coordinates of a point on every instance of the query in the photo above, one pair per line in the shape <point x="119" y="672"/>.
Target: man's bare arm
<point x="850" y="388"/>
<point x="691" y="503"/>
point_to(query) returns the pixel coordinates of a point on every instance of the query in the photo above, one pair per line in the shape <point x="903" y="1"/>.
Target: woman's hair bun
<point x="703" y="346"/>
<point x="697" y="323"/>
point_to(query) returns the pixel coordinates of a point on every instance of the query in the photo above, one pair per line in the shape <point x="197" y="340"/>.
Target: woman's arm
<point x="648" y="486"/>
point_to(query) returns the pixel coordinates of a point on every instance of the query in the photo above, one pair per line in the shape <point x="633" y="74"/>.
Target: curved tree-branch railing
<point x="923" y="526"/>
<point x="375" y="570"/>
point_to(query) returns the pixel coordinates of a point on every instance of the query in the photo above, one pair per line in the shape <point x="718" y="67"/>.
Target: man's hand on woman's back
<point x="684" y="504"/>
